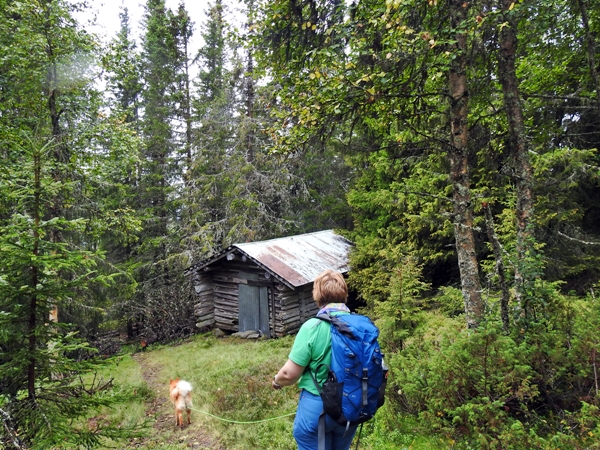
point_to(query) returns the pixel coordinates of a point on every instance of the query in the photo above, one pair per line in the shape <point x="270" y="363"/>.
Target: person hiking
<point x="312" y="350"/>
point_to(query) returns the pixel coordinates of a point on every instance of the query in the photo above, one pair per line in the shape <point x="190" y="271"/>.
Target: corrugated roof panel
<point x="299" y="259"/>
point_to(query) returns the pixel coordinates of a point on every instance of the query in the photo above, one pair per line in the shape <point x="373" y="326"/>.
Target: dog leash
<point x="241" y="422"/>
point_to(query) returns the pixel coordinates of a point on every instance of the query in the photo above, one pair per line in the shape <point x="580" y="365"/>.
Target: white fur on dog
<point x="181" y="396"/>
<point x="184" y="401"/>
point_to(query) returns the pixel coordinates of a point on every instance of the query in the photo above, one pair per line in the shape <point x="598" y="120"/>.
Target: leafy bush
<point x="536" y="387"/>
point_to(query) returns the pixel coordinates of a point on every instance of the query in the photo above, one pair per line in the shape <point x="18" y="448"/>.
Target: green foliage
<point x="123" y="66"/>
<point x="399" y="315"/>
<point x="320" y="185"/>
<point x="373" y="75"/>
<point x="449" y="301"/>
<point x="160" y="61"/>
<point x="237" y="190"/>
<point x="400" y="208"/>
<point x="212" y="55"/>
<point x="568" y="177"/>
<point x="391" y="429"/>
<point x="533" y="389"/>
<point x="42" y="361"/>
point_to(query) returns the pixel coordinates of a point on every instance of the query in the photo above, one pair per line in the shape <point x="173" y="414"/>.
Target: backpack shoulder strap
<point x="341" y="326"/>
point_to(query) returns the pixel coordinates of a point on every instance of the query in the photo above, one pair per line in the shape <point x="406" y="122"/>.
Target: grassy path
<point x="231" y="379"/>
<point x="235" y="407"/>
<point x="194" y="436"/>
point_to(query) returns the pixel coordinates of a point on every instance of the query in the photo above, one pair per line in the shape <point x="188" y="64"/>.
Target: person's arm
<point x="287" y="375"/>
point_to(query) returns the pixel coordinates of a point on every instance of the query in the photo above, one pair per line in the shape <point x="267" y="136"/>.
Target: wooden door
<point x="254" y="308"/>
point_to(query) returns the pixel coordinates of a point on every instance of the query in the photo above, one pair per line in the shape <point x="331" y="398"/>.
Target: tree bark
<point x="459" y="172"/>
<point x="591" y="47"/>
<point x="61" y="151"/>
<point x="517" y="143"/>
<point x="249" y="91"/>
<point x="33" y="302"/>
<point x="187" y="111"/>
<point x="497" y="248"/>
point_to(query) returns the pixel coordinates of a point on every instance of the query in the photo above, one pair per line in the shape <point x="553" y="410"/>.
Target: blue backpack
<point x="355" y="384"/>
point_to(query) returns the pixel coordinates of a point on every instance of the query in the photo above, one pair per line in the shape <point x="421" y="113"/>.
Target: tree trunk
<point x="517" y="144"/>
<point x="591" y="47"/>
<point x="249" y="92"/>
<point x="459" y="172"/>
<point x="33" y="302"/>
<point x="187" y="111"/>
<point x="497" y="248"/>
<point x="61" y="153"/>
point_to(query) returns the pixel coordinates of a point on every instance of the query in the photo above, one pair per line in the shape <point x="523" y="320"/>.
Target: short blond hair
<point x="330" y="287"/>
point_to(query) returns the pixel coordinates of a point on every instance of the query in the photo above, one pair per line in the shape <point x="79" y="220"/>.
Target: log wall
<point x="218" y="289"/>
<point x="292" y="309"/>
<point x="204" y="308"/>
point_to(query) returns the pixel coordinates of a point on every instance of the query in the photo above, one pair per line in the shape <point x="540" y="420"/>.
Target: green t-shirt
<point x="311" y="348"/>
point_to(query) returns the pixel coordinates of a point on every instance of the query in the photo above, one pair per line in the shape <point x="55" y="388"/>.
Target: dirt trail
<point x="192" y="436"/>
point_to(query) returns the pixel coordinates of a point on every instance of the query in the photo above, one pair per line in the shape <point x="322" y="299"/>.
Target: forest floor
<point x="193" y="436"/>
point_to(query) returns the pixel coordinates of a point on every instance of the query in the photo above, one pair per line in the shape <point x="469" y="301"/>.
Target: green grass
<point x="232" y="380"/>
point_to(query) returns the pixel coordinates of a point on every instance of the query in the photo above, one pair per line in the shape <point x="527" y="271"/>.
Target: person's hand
<point x="275" y="384"/>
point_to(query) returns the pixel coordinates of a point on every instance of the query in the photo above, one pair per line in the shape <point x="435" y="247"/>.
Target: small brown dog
<point x="181" y="395"/>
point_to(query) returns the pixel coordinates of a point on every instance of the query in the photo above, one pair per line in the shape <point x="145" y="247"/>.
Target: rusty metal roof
<point x="294" y="260"/>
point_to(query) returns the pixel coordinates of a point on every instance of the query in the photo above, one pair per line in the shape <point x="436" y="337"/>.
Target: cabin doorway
<point x="254" y="308"/>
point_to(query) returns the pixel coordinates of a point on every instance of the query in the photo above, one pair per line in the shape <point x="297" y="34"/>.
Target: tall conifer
<point x="49" y="225"/>
<point x="157" y="174"/>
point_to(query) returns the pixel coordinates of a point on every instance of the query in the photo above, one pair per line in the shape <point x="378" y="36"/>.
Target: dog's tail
<point x="185" y="391"/>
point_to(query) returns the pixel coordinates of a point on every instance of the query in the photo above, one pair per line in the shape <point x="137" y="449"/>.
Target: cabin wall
<point x="204" y="308"/>
<point x="292" y="309"/>
<point x="226" y="279"/>
<point x="308" y="307"/>
<point x="218" y="298"/>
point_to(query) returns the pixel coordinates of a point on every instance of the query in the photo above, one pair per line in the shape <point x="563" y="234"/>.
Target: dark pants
<point x="306" y="426"/>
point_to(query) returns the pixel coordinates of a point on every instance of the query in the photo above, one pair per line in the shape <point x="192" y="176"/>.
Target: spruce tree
<point x="163" y="166"/>
<point x="45" y="399"/>
<point x="50" y="223"/>
<point x="123" y="65"/>
<point x="239" y="191"/>
<point x="157" y="169"/>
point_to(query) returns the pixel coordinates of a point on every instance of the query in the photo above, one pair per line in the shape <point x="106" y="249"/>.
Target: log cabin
<point x="265" y="286"/>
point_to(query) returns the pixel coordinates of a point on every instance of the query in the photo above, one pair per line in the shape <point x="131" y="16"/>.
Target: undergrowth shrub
<point x="535" y="387"/>
<point x="399" y="315"/>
